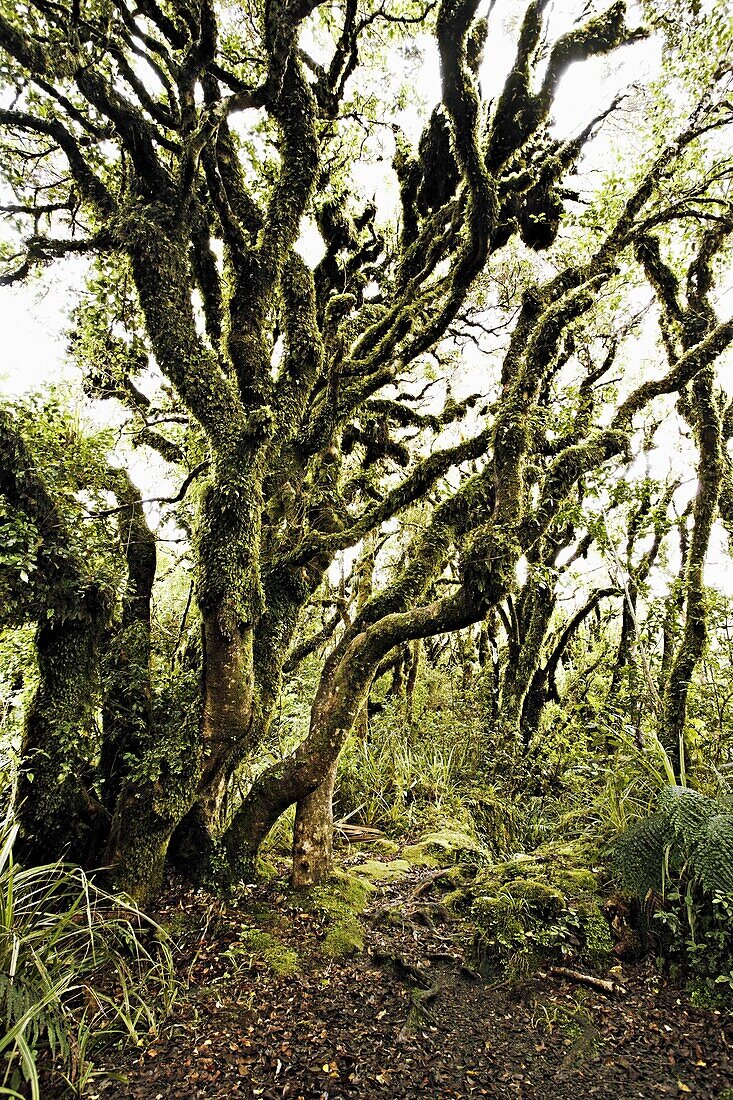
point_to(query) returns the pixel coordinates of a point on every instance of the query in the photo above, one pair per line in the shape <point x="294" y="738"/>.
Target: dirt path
<point x="403" y="1018"/>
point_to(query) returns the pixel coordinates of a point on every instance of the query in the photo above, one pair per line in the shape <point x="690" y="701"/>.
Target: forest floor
<point x="266" y="1011"/>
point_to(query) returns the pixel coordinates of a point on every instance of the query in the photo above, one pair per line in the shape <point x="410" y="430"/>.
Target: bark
<point x="534" y="614"/>
<point x="127" y="704"/>
<point x="313" y="833"/>
<point x="341" y="694"/>
<point x="413" y="671"/>
<point x="227" y="712"/>
<point x="57" y="814"/>
<point x="54" y="805"/>
<point x="705" y="415"/>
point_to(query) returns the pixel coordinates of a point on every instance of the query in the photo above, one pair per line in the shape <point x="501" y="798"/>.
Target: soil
<point x="404" y="1018"/>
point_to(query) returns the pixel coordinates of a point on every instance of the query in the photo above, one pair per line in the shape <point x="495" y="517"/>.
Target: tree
<point x="185" y="149"/>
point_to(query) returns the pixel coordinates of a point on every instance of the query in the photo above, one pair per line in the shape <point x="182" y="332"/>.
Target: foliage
<point x="680" y="861"/>
<point x="535" y="909"/>
<point x="79" y="969"/>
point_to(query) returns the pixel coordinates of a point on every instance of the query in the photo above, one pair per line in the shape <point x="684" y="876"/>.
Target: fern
<point x="713" y="855"/>
<point x="640" y="854"/>
<point x="686" y="812"/>
<point x="683" y="855"/>
<point x="690" y="836"/>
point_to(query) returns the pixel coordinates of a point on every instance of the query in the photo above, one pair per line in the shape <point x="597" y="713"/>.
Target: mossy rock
<point x="493" y="913"/>
<point x="571" y="881"/>
<point x="375" y="871"/>
<point x="443" y="848"/>
<point x="345" y="893"/>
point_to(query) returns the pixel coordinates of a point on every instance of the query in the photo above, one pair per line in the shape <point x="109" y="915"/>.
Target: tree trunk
<point x="313" y="833"/>
<point x="227" y="711"/>
<point x="704" y="414"/>
<point x="127" y="719"/>
<point x="57" y="815"/>
<point x="342" y="692"/>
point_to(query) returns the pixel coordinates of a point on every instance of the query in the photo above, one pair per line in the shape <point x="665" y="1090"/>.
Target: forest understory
<point x="267" y="1009"/>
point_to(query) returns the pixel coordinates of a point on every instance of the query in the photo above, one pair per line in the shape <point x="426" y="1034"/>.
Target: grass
<point x="79" y="969"/>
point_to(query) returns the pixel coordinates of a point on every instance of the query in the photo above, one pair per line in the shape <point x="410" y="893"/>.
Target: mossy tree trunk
<point x="57" y="814"/>
<point x="705" y="417"/>
<point x="127" y="717"/>
<point x="56" y="809"/>
<point x="688" y="323"/>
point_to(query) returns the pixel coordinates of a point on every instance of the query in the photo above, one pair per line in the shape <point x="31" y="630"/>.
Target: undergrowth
<point x="79" y="969"/>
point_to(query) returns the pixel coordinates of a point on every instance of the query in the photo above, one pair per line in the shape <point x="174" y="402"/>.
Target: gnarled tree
<point x="142" y="135"/>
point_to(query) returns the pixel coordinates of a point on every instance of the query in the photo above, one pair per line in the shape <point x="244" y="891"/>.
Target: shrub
<point x="680" y="861"/>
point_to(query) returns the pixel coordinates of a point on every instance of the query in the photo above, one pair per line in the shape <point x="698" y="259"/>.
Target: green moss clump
<point x="282" y="960"/>
<point x="344" y="891"/>
<point x="375" y="871"/>
<point x="575" y="881"/>
<point x="443" y="848"/>
<point x="346" y="938"/>
<point x="493" y="914"/>
<point x="341" y="901"/>
<point x="598" y="946"/>
<point x="535" y="909"/>
<point x="540" y="896"/>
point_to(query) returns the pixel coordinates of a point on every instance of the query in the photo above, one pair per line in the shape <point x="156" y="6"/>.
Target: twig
<point x="156" y="500"/>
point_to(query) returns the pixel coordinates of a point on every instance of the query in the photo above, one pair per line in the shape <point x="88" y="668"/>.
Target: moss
<point x="457" y="899"/>
<point x="376" y="871"/>
<point x="346" y="938"/>
<point x="384" y="847"/>
<point x="344" y="891"/>
<point x="533" y="909"/>
<point x="442" y="848"/>
<point x="574" y="881"/>
<point x="341" y="901"/>
<point x="598" y="945"/>
<point x="539" y="896"/>
<point x="500" y="911"/>
<point x="282" y="960"/>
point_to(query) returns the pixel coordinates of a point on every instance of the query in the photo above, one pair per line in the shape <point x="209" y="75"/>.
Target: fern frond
<point x="640" y="854"/>
<point x="687" y="812"/>
<point x="712" y="861"/>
